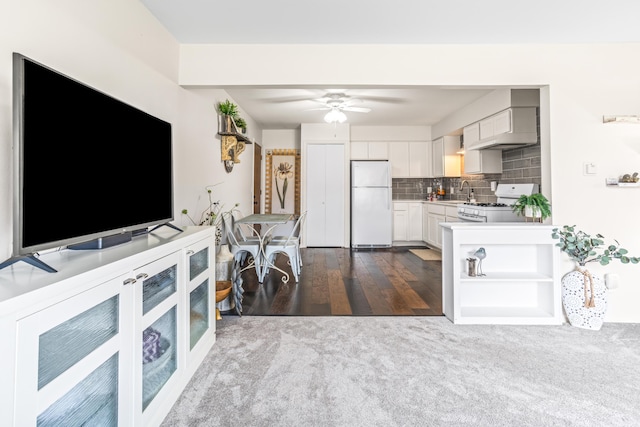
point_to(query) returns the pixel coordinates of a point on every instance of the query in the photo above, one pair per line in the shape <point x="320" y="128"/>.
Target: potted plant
<point x="242" y="124"/>
<point x="532" y="206"/>
<point x="584" y="295"/>
<point x="228" y="114"/>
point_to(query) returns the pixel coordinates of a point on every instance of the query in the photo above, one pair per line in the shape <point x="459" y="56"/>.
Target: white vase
<point x="532" y="212"/>
<point x="224" y="265"/>
<point x="577" y="296"/>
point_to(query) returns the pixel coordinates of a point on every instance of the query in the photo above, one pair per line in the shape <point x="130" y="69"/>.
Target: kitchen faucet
<point x="464" y="181"/>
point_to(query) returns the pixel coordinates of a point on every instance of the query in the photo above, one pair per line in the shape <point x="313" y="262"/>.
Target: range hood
<point x="506" y="141"/>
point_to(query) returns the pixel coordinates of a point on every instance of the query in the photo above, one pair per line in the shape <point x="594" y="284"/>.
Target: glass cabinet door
<point x="159" y="355"/>
<point x="92" y="402"/>
<point x="198" y="313"/>
<point x="158" y="332"/>
<point x="201" y="303"/>
<point x="68" y="374"/>
<point x="198" y="262"/>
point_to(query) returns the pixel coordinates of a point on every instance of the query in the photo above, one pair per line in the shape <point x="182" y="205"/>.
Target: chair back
<point x="243" y="231"/>
<point x="227" y="221"/>
<point x="295" y="231"/>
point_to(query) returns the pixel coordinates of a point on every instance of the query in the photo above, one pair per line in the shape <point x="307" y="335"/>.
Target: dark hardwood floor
<point x="344" y="282"/>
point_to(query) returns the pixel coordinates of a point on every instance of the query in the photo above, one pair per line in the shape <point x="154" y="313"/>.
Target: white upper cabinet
<point x="399" y="157"/>
<point x="378" y="150"/>
<point x="511" y="128"/>
<point x="471" y="134"/>
<point x="446" y="160"/>
<point x="362" y="150"/>
<point x="409" y="159"/>
<point x="359" y="150"/>
<point x="479" y="161"/>
<point x="495" y="125"/>
<point x="418" y="160"/>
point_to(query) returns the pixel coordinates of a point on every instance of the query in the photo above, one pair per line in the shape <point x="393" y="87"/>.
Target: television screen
<point x="88" y="165"/>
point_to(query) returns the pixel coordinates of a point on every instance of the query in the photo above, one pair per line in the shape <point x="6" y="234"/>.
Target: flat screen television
<point x="90" y="170"/>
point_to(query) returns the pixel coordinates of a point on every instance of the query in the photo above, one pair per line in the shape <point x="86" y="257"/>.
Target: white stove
<point x="500" y="211"/>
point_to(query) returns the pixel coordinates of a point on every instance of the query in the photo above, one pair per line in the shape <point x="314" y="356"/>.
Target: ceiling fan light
<point x="334" y="116"/>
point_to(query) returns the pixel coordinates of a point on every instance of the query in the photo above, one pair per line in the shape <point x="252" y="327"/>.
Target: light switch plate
<point x="590" y="169"/>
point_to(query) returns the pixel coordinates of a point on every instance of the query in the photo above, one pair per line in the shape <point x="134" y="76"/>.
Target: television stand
<point x="103" y="242"/>
<point x="29" y="259"/>
<point x="168" y="224"/>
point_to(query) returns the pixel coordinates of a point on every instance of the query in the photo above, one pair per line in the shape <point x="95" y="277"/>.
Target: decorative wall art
<point x="282" y="184"/>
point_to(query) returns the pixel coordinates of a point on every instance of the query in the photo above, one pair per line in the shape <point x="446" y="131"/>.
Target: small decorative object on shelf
<point x="481" y="254"/>
<point x="626" y="180"/>
<point x="584" y="295"/>
<point x="621" y="119"/>
<point x="471" y="262"/>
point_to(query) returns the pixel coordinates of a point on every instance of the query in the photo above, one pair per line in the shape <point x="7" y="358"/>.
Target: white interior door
<point x="325" y="224"/>
<point x="334" y="195"/>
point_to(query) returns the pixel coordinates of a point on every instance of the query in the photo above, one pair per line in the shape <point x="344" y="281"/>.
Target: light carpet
<point x="427" y="254"/>
<point x="412" y="371"/>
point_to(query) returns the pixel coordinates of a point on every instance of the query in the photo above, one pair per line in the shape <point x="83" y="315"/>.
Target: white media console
<point x="113" y="337"/>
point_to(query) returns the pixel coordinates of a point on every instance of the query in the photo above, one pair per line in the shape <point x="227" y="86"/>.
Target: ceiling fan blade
<point x="318" y="109"/>
<point x="356" y="109"/>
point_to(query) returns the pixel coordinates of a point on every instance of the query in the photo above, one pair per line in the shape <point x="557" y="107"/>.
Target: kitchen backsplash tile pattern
<point x="519" y="166"/>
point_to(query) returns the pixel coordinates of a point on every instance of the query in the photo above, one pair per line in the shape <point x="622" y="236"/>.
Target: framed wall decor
<point x="282" y="183"/>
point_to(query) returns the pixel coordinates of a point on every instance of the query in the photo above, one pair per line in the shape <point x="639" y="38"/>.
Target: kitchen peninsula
<point x="518" y="282"/>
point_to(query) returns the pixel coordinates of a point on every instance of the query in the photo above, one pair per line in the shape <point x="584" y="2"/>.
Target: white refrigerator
<point x="371" y="206"/>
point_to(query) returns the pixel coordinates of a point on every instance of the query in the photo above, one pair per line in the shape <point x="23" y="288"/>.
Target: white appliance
<point x="500" y="211"/>
<point x="371" y="206"/>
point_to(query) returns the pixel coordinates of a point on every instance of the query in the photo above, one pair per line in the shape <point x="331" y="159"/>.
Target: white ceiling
<point x="397" y="22"/>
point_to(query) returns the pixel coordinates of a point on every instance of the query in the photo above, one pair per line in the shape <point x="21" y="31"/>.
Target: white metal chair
<point x="240" y="248"/>
<point x="244" y="231"/>
<point x="288" y="245"/>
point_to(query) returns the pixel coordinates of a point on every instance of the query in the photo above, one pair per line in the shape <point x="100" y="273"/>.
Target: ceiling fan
<point x="337" y="104"/>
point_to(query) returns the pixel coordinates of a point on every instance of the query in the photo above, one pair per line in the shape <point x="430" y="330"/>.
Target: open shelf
<point x="508" y="276"/>
<point x="520" y="285"/>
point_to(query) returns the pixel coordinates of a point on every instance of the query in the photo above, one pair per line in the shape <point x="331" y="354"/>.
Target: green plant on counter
<point x="537" y="203"/>
<point x="583" y="248"/>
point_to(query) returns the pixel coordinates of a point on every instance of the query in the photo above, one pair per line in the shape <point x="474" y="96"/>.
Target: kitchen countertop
<point x="496" y="225"/>
<point x="435" y="202"/>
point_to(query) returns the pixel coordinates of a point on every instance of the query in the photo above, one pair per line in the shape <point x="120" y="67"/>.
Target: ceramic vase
<point x="584" y="299"/>
<point x="224" y="265"/>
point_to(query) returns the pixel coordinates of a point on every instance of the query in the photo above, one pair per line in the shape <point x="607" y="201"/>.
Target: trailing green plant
<point x="584" y="248"/>
<point x="240" y="123"/>
<point x="228" y="108"/>
<point x="537" y="201"/>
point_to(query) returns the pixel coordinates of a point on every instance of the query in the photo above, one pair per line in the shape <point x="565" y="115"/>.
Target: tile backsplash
<point x="519" y="166"/>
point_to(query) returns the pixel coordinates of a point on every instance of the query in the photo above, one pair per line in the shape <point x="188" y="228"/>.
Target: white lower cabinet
<point x="521" y="281"/>
<point x="115" y="351"/>
<point x="407" y="221"/>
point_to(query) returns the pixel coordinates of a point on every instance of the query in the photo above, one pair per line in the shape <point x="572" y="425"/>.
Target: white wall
<point x="118" y="47"/>
<point x="580" y="84"/>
